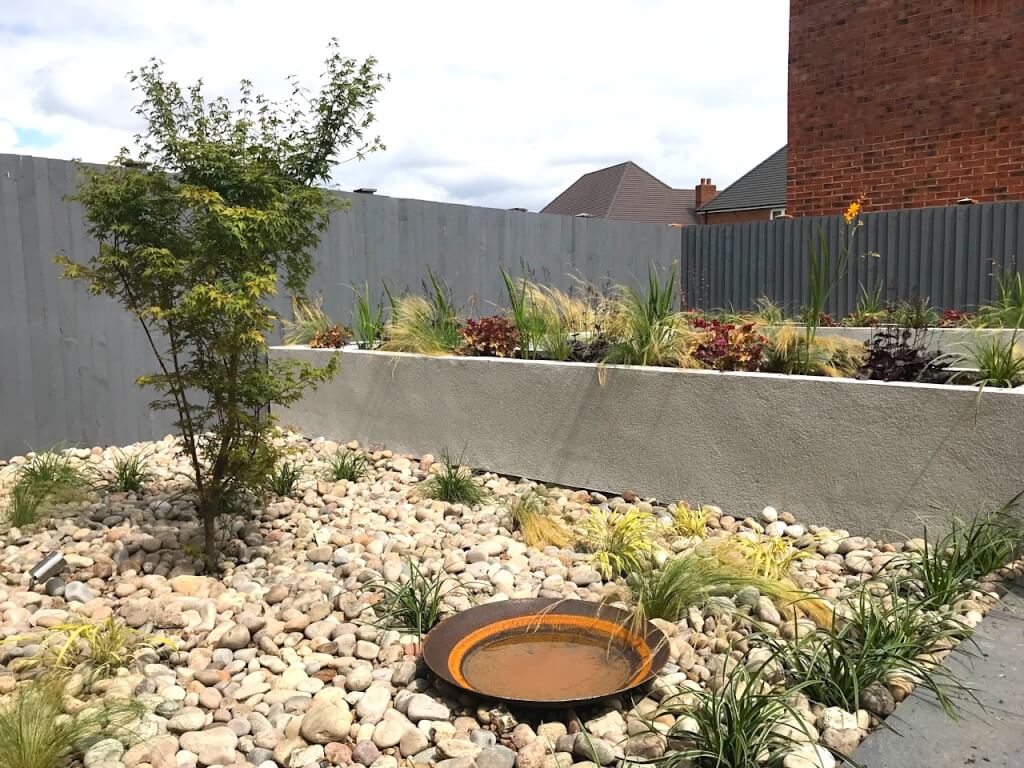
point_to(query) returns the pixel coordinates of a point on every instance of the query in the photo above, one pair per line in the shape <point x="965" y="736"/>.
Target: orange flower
<point x="852" y="211"/>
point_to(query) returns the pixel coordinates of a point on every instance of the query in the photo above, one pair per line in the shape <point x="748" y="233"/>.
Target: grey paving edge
<point x="991" y="735"/>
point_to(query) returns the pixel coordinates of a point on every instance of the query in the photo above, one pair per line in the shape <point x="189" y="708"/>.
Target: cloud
<point x="501" y="105"/>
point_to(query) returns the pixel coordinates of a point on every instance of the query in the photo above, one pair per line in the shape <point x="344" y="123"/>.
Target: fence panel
<point x="950" y="256"/>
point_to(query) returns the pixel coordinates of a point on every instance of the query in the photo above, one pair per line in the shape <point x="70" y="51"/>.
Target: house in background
<point x="758" y="195"/>
<point x="626" y="192"/>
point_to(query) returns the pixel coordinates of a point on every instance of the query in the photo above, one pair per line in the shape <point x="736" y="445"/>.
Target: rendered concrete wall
<point x="869" y="457"/>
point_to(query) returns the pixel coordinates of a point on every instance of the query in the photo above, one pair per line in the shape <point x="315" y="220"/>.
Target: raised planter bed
<point x="864" y="456"/>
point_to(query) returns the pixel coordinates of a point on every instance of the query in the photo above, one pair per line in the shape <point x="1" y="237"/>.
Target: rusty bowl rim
<point x="439" y="643"/>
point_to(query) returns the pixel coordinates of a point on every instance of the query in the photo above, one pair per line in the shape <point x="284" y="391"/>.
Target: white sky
<point x="497" y="104"/>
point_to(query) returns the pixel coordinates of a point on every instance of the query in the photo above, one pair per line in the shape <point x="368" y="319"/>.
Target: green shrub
<point x="36" y="733"/>
<point x="217" y="207"/>
<point x="454" y="484"/>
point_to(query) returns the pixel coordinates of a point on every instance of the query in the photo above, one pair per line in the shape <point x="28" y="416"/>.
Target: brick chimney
<point x="705" y="192"/>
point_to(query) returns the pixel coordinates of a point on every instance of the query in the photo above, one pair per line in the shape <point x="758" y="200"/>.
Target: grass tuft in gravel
<point x="455" y="484"/>
<point x="36" y="733"/>
<point x="414" y="602"/>
<point x="540" y="529"/>
<point x="874" y="637"/>
<point x="348" y="465"/>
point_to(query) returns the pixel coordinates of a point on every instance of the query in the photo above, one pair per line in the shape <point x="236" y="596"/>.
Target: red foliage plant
<point x="335" y="337"/>
<point x="729" y="347"/>
<point x="489" y="337"/>
<point x="953" y="318"/>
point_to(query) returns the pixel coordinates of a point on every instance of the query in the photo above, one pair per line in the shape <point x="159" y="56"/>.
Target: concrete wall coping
<point x="825" y="380"/>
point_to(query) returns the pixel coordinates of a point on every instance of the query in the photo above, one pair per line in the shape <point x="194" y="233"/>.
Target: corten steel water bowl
<point x="543" y="652"/>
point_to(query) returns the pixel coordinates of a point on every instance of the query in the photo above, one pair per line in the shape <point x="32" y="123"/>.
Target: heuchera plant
<point x="728" y="346"/>
<point x="953" y="318"/>
<point x="489" y="337"/>
<point x="334" y="337"/>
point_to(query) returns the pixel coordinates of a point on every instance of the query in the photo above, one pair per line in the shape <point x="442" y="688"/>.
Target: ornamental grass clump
<point x="990" y="361"/>
<point x="35" y="731"/>
<point x="1007" y="311"/>
<point x="131" y="472"/>
<point x="527" y="514"/>
<point x="414" y="602"/>
<point x="870" y="310"/>
<point x="668" y="591"/>
<point x="643" y="328"/>
<point x="348" y="465"/>
<point x="874" y="637"/>
<point x="426" y="326"/>
<point x="689" y="521"/>
<point x="829" y="355"/>
<point x="454" y="484"/>
<point x="309" y="321"/>
<point x="46" y="478"/>
<point x="949" y="566"/>
<point x="367" y="319"/>
<point x="743" y="723"/>
<point x="771" y="557"/>
<point x="283" y="479"/>
<point x="98" y="648"/>
<point x="619" y="542"/>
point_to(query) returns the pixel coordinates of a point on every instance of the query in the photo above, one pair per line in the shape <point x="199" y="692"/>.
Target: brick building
<point x="758" y="195"/>
<point x="911" y="103"/>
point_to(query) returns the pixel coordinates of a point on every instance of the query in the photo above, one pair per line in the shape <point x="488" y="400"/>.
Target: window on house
<point x="777" y="212"/>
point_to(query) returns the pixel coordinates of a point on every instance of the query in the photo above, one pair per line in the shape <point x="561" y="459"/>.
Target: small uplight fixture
<point x="584" y="216"/>
<point x="52" y="564"/>
<point x="966" y="201"/>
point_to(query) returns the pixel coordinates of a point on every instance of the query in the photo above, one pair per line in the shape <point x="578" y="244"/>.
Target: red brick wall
<point x="735" y="217"/>
<point x="910" y="103"/>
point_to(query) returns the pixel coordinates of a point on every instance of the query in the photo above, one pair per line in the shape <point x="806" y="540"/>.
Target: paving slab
<point x="991" y="735"/>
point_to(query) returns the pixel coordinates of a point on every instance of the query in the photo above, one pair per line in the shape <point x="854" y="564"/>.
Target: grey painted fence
<point x="949" y="255"/>
<point x="68" y="360"/>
